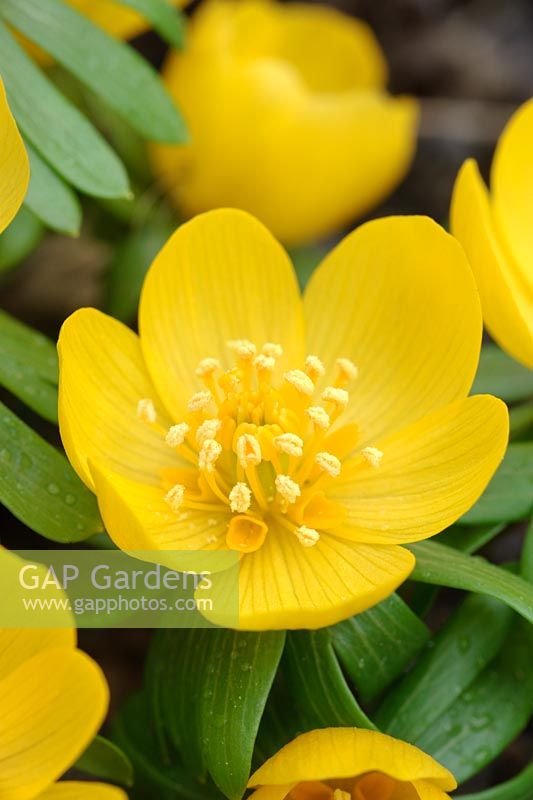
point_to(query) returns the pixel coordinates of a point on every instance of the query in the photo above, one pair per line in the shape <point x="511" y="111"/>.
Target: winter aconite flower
<point x="289" y="117"/>
<point x="14" y="165"/>
<point x="351" y="764"/>
<point x="314" y="437"/>
<point x="497" y="233"/>
<point x="53" y="700"/>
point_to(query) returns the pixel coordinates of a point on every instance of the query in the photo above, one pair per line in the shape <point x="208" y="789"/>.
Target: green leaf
<point x="526" y="561"/>
<point x="110" y="68"/>
<point x="19" y="239"/>
<point x="318" y="689"/>
<point x="518" y="788"/>
<point x="501" y="375"/>
<point x="28" y="366"/>
<point x="509" y="495"/>
<point x="444" y="566"/>
<point x="209" y="689"/>
<point x="38" y="485"/>
<point x="50" y="199"/>
<point x="461" y="649"/>
<point x="468" y="538"/>
<point x="376" y="646"/>
<point x="167" y="21"/>
<point x="105" y="760"/>
<point x="306" y="259"/>
<point x="58" y="131"/>
<point x="521" y="422"/>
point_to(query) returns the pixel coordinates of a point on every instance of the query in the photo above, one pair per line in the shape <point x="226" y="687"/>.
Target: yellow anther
<point x="146" y="411"/>
<point x="176" y="434"/>
<point x="372" y="455"/>
<point x="308" y="537"/>
<point x="209" y="454"/>
<point x="328" y="463"/>
<point x="272" y="350"/>
<point x="287" y="488"/>
<point x="207" y="430"/>
<point x="229" y="381"/>
<point x="301" y="382"/>
<point x="264" y="363"/>
<point x="207" y="366"/>
<point x="240" y="498"/>
<point x="248" y="450"/>
<point x="314" y="368"/>
<point x="200" y="401"/>
<point x="174" y="497"/>
<point x="339" y="397"/>
<point x="243" y="348"/>
<point x="347" y="369"/>
<point x="289" y="443"/>
<point x="318" y="417"/>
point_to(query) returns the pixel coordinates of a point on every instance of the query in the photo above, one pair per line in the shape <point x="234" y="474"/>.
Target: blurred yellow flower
<point x="14" y="165"/>
<point x="53" y="699"/>
<point x="496" y="231"/>
<point x="313" y="437"/>
<point x="289" y="117"/>
<point x="351" y="764"/>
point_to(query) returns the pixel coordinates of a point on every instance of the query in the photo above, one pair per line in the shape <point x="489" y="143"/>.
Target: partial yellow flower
<point x="289" y="117"/>
<point x="350" y="764"/>
<point x="314" y="437"/>
<point x="53" y="699"/>
<point x="14" y="164"/>
<point x="496" y="231"/>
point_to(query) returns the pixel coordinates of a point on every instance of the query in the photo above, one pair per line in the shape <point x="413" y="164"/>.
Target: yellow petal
<point x="397" y="296"/>
<point x="431" y="473"/>
<point x="14" y="164"/>
<point x="52" y="706"/>
<point x="76" y="790"/>
<point x="348" y="752"/>
<point x="220" y="277"/>
<point x="102" y="379"/>
<point x="428" y="791"/>
<point x="272" y="792"/>
<point x="115" y="19"/>
<point x="507" y="309"/>
<point x="17" y="645"/>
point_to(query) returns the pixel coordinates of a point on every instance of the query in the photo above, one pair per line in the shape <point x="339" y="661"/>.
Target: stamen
<point x="207" y="366"/>
<point x="314" y="368"/>
<point x="347" y="370"/>
<point x="339" y="397"/>
<point x="318" y="417"/>
<point x="301" y="382"/>
<point x="272" y="350"/>
<point x="289" y="443"/>
<point x="264" y="363"/>
<point x="329" y="463"/>
<point x="146" y="411"/>
<point x="308" y="537"/>
<point x="243" y="348"/>
<point x="174" y="497"/>
<point x="207" y="430"/>
<point x="200" y="401"/>
<point x="372" y="455"/>
<point x="176" y="434"/>
<point x="240" y="498"/>
<point x="287" y="488"/>
<point x="248" y="450"/>
<point x="209" y="454"/>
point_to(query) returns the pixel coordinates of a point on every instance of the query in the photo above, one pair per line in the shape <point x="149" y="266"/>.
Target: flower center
<point x="370" y="786"/>
<point x="265" y="450"/>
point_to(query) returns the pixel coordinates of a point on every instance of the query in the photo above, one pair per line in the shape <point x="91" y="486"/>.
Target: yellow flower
<point x="314" y="437"/>
<point x="351" y="764"/>
<point x="53" y="699"/>
<point x="289" y="117"/>
<point x="497" y="233"/>
<point x="14" y="165"/>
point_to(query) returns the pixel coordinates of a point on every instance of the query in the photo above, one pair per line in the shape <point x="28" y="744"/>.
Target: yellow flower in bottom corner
<point x="497" y="233"/>
<point x="313" y="437"/>
<point x="14" y="164"/>
<point x="350" y="764"/>
<point x="53" y="699"/>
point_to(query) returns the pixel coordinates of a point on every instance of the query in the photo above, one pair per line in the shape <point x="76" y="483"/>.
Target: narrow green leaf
<point x="19" y="239"/>
<point x="509" y="495"/>
<point x="526" y="561"/>
<point x="459" y="652"/>
<point x="318" y="689"/>
<point x="376" y="646"/>
<point x="501" y="375"/>
<point x="468" y="538"/>
<point x="110" y="68"/>
<point x="444" y="566"/>
<point x="105" y="760"/>
<point x="518" y="788"/>
<point x="38" y="485"/>
<point x="50" y="199"/>
<point x="28" y="366"/>
<point x="167" y="21"/>
<point x="58" y="131"/>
